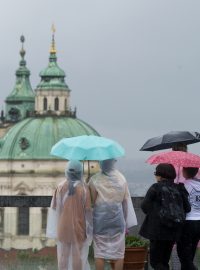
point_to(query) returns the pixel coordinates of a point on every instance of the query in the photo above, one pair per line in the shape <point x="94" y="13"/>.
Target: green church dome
<point x="53" y="77"/>
<point x="32" y="138"/>
<point x="52" y="70"/>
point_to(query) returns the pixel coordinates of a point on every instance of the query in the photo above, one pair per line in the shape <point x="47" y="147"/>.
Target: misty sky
<point x="133" y="65"/>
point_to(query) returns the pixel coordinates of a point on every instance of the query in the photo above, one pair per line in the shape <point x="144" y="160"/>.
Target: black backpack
<point x="172" y="212"/>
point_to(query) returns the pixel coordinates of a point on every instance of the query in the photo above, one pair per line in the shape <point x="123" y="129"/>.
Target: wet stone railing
<point x="45" y="201"/>
<point x="40" y="201"/>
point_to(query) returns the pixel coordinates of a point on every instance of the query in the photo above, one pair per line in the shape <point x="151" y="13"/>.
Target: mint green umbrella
<point x="87" y="147"/>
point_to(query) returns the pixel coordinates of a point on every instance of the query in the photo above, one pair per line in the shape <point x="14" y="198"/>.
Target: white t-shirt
<point x="193" y="188"/>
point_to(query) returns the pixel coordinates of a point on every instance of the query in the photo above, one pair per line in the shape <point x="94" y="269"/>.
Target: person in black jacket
<point x="162" y="237"/>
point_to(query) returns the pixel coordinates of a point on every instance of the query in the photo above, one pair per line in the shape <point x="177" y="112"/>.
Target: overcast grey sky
<point x="133" y="65"/>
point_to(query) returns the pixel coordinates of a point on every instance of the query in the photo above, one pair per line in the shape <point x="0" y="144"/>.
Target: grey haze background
<point x="133" y="65"/>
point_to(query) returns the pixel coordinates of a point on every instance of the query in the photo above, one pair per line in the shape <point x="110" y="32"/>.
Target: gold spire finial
<point x="53" y="46"/>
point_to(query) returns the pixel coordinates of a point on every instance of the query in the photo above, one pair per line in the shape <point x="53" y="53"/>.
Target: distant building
<point x="32" y="123"/>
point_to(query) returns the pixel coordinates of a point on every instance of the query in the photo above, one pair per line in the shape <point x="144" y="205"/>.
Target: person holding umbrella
<point x="190" y="237"/>
<point x="113" y="212"/>
<point x="70" y="219"/>
<point x="180" y="147"/>
<point x="165" y="205"/>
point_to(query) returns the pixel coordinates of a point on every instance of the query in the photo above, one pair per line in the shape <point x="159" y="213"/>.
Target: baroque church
<point x="32" y="123"/>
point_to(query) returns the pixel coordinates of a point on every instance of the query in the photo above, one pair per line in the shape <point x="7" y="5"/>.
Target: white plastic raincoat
<point x="70" y="220"/>
<point x="113" y="212"/>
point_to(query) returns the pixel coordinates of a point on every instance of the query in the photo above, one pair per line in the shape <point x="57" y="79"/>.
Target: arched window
<point x="45" y="104"/>
<point x="23" y="221"/>
<point x="56" y="104"/>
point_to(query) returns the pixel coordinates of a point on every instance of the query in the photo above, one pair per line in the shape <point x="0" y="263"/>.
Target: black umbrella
<point x="171" y="139"/>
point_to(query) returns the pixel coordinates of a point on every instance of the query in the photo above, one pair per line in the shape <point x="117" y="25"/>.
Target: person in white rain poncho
<point x="70" y="220"/>
<point x="112" y="214"/>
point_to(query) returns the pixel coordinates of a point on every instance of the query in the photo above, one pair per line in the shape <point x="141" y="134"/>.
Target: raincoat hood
<point x="73" y="173"/>
<point x="107" y="166"/>
<point x="74" y="170"/>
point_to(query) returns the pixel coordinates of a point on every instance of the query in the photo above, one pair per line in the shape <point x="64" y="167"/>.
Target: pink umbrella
<point x="176" y="158"/>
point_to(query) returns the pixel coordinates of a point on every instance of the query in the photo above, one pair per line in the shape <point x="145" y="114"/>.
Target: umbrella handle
<point x="88" y="176"/>
<point x="88" y="168"/>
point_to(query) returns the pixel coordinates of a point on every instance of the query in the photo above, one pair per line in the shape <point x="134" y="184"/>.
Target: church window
<point x="56" y="104"/>
<point x="44" y="219"/>
<point x="23" y="221"/>
<point x="14" y="114"/>
<point x="45" y="104"/>
<point x="24" y="143"/>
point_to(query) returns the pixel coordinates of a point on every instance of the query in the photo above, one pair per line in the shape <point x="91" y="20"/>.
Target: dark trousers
<point x="160" y="251"/>
<point x="186" y="246"/>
